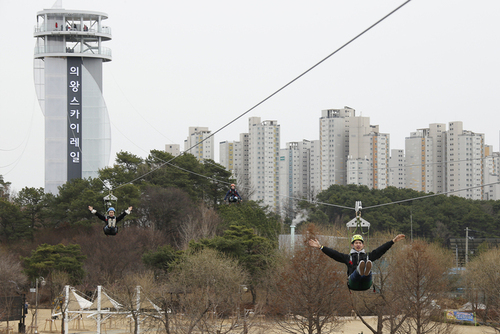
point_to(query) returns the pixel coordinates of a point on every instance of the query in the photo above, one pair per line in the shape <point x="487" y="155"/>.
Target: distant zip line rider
<point x="232" y="195"/>
<point x="110" y="219"/>
<point x="358" y="262"/>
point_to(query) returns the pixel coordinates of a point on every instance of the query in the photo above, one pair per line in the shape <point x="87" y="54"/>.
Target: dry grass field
<point x="122" y="325"/>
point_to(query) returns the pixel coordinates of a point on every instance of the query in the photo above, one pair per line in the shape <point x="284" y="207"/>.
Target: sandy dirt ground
<point x="122" y="326"/>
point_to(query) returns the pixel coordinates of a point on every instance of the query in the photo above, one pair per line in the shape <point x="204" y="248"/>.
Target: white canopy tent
<point x="100" y="308"/>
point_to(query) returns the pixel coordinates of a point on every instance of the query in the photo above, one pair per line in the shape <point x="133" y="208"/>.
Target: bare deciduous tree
<point x="200" y="223"/>
<point x="131" y="292"/>
<point x="422" y="280"/>
<point x="481" y="278"/>
<point x="12" y="280"/>
<point x="202" y="294"/>
<point x="310" y="291"/>
<point x="110" y="258"/>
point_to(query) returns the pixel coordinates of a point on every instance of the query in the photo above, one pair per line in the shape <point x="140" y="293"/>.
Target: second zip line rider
<point x="232" y="195"/>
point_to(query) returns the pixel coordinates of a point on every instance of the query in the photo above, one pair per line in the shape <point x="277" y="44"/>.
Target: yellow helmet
<point x="357" y="237"/>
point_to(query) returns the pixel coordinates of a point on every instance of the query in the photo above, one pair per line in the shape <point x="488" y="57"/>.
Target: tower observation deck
<point x="68" y="59"/>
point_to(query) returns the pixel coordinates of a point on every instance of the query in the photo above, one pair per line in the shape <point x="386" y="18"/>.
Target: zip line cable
<point x="280" y="89"/>
<point x="165" y="163"/>
<point x="301" y="75"/>
<point x="15" y="148"/>
<point x="24" y="139"/>
<point x="438" y="163"/>
<point x="25" y="143"/>
<point x="135" y="109"/>
<point x="406" y="166"/>
<point x="431" y="195"/>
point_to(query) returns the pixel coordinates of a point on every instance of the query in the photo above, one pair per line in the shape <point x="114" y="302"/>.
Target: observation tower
<point x="68" y="59"/>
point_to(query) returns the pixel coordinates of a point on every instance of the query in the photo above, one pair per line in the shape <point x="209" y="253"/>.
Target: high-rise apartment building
<point x="241" y="165"/>
<point x="287" y="172"/>
<point x="425" y="159"/>
<point x="368" y="158"/>
<point x="174" y="149"/>
<point x="263" y="161"/>
<point x="334" y="145"/>
<point x="227" y="152"/>
<point x="419" y="163"/>
<point x="380" y="145"/>
<point x="233" y="155"/>
<point x="200" y="143"/>
<point x="437" y="131"/>
<point x="359" y="164"/>
<point x="68" y="58"/>
<point x="314" y="168"/>
<point x="397" y="170"/>
<point x="465" y="162"/>
<point x="294" y="175"/>
<point x="492" y="174"/>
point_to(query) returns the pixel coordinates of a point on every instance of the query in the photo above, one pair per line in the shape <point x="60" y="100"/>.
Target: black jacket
<point x="352" y="260"/>
<point x="106" y="218"/>
<point x="232" y="192"/>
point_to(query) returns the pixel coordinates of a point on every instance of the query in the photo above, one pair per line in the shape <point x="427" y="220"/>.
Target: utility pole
<point x="411" y="224"/>
<point x="42" y="282"/>
<point x="466" y="245"/>
<point x="296" y="221"/>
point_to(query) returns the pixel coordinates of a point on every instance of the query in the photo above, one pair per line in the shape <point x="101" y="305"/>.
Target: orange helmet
<point x="232" y="185"/>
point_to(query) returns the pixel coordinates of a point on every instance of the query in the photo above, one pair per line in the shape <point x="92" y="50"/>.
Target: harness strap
<point x="367" y="233"/>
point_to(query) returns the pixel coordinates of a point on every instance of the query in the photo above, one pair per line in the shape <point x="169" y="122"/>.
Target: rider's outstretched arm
<point x="124" y="213"/>
<point x="336" y="255"/>
<point x="100" y="216"/>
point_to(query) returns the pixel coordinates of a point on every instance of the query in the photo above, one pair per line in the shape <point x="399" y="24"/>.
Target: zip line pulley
<point x="108" y="201"/>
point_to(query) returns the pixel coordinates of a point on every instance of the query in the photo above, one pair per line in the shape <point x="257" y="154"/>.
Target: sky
<point x="187" y="63"/>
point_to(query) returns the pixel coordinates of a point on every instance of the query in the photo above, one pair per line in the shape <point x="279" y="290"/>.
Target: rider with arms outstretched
<point x="358" y="262"/>
<point x="110" y="219"/>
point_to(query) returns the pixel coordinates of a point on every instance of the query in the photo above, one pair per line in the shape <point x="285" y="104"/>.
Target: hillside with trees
<point x="432" y="217"/>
